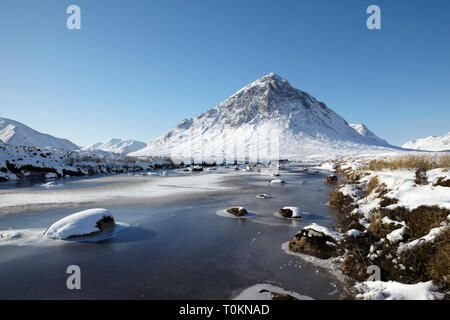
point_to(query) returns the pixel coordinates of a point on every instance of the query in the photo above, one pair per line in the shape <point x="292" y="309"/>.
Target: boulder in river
<point x="290" y="212"/>
<point x="316" y="241"/>
<point x="237" y="211"/>
<point x="331" y="179"/>
<point x="197" y="168"/>
<point x="81" y="224"/>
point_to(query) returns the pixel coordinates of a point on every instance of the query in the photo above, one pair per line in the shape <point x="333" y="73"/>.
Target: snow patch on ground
<point x="391" y="290"/>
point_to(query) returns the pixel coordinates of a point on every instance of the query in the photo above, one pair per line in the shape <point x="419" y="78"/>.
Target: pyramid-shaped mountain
<point x="267" y="119"/>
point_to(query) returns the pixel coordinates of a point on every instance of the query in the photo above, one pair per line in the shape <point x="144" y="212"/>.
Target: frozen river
<point x="176" y="245"/>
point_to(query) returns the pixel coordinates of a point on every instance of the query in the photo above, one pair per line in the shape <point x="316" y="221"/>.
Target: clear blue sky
<point x="137" y="68"/>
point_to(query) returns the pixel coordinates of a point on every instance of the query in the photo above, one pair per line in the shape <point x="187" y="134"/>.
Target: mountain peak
<point x="247" y="122"/>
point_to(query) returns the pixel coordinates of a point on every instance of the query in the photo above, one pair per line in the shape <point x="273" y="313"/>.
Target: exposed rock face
<point x="331" y="179"/>
<point x="237" y="211"/>
<point x="314" y="243"/>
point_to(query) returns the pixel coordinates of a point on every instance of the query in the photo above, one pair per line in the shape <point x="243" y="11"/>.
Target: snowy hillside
<point x="17" y="134"/>
<point x="22" y="162"/>
<point x="267" y="119"/>
<point x="121" y="146"/>
<point x="430" y="144"/>
<point x="365" y="132"/>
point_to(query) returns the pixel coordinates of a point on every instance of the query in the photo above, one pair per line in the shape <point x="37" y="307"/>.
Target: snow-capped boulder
<point x="276" y="181"/>
<point x="237" y="211"/>
<point x="81" y="224"/>
<point x="197" y="168"/>
<point x="315" y="240"/>
<point x="290" y="212"/>
<point x="51" y="175"/>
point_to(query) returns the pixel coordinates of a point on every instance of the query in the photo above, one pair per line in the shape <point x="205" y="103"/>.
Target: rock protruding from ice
<point x="315" y="240"/>
<point x="238" y="211"/>
<point x="431" y="143"/>
<point x="290" y="212"/>
<point x="81" y="224"/>
<point x="15" y="133"/>
<point x="120" y="146"/>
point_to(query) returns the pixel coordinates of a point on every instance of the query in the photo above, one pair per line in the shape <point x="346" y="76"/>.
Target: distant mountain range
<point x="121" y="146"/>
<point x="267" y="118"/>
<point x="17" y="134"/>
<point x="431" y="143"/>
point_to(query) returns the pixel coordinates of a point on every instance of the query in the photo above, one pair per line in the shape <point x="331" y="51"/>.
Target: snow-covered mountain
<point x="17" y="134"/>
<point x="267" y="119"/>
<point x="121" y="146"/>
<point x="431" y="143"/>
<point x="365" y="132"/>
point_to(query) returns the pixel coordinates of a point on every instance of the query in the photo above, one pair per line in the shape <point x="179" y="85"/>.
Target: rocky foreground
<point x="393" y="227"/>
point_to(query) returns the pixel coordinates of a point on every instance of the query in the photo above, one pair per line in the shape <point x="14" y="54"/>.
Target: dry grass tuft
<point x="424" y="162"/>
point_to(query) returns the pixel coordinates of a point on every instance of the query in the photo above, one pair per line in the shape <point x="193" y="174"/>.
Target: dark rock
<point x="331" y="179"/>
<point x="237" y="211"/>
<point x="314" y="243"/>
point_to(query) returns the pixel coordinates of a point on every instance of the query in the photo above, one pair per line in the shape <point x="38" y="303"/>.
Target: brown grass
<point x="372" y="185"/>
<point x="410" y="162"/>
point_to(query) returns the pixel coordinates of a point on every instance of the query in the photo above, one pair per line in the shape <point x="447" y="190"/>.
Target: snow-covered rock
<point x="268" y="119"/>
<point x="51" y="175"/>
<point x="120" y="146"/>
<point x="290" y="212"/>
<point x="431" y="143"/>
<point x="17" y="134"/>
<point x="84" y="223"/>
<point x="276" y="181"/>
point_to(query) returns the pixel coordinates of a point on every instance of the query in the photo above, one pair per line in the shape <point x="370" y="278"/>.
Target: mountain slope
<point x="121" y="146"/>
<point x="366" y="133"/>
<point x="431" y="143"/>
<point x="266" y="119"/>
<point x="17" y="134"/>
